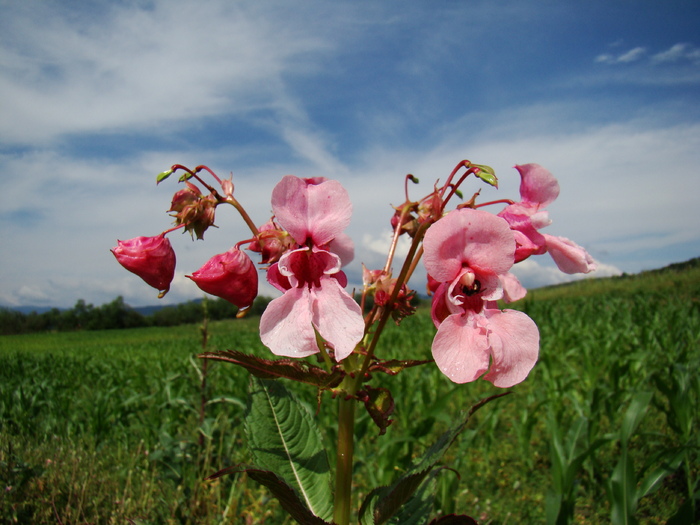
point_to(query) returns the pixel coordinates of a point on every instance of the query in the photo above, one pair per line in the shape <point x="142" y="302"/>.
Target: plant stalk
<point x="343" y="471"/>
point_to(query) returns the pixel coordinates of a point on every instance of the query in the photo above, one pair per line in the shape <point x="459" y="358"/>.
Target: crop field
<point x="123" y="426"/>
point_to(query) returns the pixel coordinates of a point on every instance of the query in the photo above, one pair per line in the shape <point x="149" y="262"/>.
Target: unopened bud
<point x="230" y="275"/>
<point x="151" y="258"/>
<point x="227" y="187"/>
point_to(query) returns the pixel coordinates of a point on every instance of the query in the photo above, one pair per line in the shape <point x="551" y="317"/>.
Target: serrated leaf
<point x="284" y="439"/>
<point x="417" y="510"/>
<point x="163" y="175"/>
<point x="382" y="503"/>
<point x="285" y="494"/>
<point x="296" y="370"/>
<point x="487" y="174"/>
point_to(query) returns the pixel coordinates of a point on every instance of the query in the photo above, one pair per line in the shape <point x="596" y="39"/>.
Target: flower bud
<point x="231" y="276"/>
<point x="193" y="209"/>
<point x="227" y="187"/>
<point x="272" y="242"/>
<point x="151" y="258"/>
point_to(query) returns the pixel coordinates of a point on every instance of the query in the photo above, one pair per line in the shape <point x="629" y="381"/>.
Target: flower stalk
<point x="344" y="460"/>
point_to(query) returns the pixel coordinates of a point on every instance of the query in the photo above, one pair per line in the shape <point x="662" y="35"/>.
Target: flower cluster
<point x="304" y="248"/>
<point x="468" y="254"/>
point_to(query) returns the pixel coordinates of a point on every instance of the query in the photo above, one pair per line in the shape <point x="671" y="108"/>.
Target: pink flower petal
<point x="569" y="256"/>
<point x="461" y="349"/>
<point x="337" y="317"/>
<point x="285" y="325"/>
<point x="537" y="185"/>
<point x="319" y="212"/>
<point x="515" y="341"/>
<point x="512" y="289"/>
<point x="343" y="247"/>
<point x="476" y="238"/>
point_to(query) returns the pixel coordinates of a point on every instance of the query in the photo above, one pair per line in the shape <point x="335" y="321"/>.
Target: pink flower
<point x="314" y="212"/>
<point x="151" y="258"/>
<point x="538" y="189"/>
<point x="231" y="276"/>
<point x="469" y="252"/>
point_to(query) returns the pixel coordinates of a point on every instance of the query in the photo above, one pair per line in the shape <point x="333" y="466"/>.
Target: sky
<point x="97" y="98"/>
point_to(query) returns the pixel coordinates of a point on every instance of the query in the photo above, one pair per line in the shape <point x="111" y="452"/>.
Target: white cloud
<point x="678" y="52"/>
<point x="632" y="55"/>
<point x="534" y="273"/>
<point x="679" y="63"/>
<point x="146" y="67"/>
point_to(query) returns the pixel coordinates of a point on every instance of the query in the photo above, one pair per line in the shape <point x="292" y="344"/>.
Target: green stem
<point x="343" y="470"/>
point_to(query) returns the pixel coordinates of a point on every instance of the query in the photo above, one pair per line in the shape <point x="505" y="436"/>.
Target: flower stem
<point x="343" y="470"/>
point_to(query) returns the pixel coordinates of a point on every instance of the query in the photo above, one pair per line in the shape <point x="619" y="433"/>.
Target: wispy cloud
<point x="146" y="67"/>
<point x="682" y="52"/>
<point x="632" y="55"/>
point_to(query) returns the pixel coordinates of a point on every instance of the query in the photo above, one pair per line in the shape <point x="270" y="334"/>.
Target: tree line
<point x="117" y="314"/>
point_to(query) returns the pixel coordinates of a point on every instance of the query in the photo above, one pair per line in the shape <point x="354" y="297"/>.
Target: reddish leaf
<point x="379" y="404"/>
<point x="394" y="366"/>
<point x="296" y="370"/>
<point x="453" y="519"/>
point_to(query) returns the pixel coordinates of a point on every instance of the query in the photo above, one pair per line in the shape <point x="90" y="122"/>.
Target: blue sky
<point x="96" y="98"/>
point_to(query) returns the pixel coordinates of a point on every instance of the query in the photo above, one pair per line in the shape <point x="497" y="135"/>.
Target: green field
<point x="108" y="426"/>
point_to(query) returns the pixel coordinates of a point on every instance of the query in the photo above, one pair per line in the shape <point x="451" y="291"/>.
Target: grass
<point x="106" y="427"/>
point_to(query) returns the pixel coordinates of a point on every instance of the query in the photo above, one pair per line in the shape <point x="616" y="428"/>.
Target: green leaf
<point x="383" y="503"/>
<point x="634" y="416"/>
<point x="623" y="483"/>
<point x="487" y="174"/>
<point x="285" y="494"/>
<point x="417" y="509"/>
<point x="284" y="440"/>
<point x="164" y="175"/>
<point x="622" y="486"/>
<point x="453" y="519"/>
<point x="296" y="370"/>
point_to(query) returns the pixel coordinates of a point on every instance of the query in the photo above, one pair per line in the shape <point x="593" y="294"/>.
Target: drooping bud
<point x="230" y="275"/>
<point x="151" y="258"/>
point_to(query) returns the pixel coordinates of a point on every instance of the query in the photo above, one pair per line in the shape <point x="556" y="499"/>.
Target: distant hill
<point x="683" y="277"/>
<point x="31" y="309"/>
